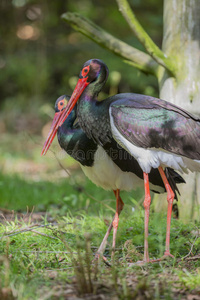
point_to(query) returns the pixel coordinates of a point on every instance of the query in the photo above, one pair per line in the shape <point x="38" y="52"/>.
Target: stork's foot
<point x="167" y="253"/>
<point x="166" y="256"/>
<point x="98" y="256"/>
<point x="144" y="262"/>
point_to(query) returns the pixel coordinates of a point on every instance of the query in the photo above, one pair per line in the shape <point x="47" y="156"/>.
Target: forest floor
<point x="53" y="220"/>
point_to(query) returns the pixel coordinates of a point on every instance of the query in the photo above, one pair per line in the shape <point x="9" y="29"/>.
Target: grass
<point x="50" y="230"/>
<point x="50" y="259"/>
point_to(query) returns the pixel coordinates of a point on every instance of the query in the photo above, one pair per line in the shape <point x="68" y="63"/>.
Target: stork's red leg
<point x="115" y="221"/>
<point x="103" y="243"/>
<point x="147" y="202"/>
<point x="170" y="199"/>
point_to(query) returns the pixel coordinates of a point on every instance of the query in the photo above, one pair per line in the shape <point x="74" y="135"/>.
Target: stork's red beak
<point x="60" y="117"/>
<point x="52" y="132"/>
<point x="81" y="85"/>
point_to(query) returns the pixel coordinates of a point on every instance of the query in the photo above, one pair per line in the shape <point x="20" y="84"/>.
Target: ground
<point x="53" y="220"/>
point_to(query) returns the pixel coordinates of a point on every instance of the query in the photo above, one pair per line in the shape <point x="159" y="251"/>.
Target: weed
<point x="190" y="279"/>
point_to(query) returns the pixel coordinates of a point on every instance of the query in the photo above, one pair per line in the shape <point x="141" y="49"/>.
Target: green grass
<point x="17" y="194"/>
<point x="49" y="260"/>
<point x="75" y="193"/>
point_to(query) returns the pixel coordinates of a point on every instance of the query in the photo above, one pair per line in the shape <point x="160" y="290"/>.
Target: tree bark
<point x="181" y="41"/>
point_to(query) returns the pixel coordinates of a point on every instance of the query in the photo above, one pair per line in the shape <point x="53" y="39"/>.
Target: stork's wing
<point x="148" y="122"/>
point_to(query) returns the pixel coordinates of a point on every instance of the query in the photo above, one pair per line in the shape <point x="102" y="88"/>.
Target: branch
<point x="133" y="56"/>
<point x="157" y="54"/>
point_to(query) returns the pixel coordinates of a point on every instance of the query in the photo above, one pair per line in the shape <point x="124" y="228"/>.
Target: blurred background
<point x="40" y="59"/>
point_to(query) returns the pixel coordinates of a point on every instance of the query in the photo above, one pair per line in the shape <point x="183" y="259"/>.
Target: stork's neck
<point x="93" y="116"/>
<point x="65" y="133"/>
<point x="75" y="142"/>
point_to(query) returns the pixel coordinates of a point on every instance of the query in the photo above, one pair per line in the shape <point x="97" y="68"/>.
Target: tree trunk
<point x="181" y="41"/>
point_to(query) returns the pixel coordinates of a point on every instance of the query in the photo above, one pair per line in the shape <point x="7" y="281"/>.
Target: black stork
<point x="155" y="132"/>
<point x="109" y="166"/>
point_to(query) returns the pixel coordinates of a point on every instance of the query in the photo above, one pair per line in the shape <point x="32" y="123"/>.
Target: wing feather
<point x="153" y="123"/>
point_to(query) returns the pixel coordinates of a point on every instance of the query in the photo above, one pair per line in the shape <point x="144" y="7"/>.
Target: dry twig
<point x="196" y="237"/>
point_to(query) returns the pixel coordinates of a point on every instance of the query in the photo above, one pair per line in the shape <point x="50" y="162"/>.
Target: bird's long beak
<point x="60" y="117"/>
<point x="81" y="85"/>
<point x="52" y="132"/>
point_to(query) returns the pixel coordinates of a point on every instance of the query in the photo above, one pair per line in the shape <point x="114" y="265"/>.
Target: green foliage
<point x="33" y="254"/>
<point x="37" y="62"/>
<point x="190" y="279"/>
<point x="18" y="194"/>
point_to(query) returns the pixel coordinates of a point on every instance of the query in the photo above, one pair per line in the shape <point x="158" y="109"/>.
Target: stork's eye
<point x="60" y="105"/>
<point x="85" y="71"/>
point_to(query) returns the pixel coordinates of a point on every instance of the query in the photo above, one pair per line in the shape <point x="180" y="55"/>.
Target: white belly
<point x="106" y="174"/>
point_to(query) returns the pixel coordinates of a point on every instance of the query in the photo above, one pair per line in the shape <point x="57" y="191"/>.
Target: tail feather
<point x="174" y="178"/>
